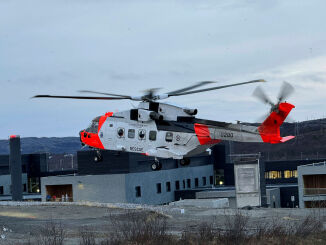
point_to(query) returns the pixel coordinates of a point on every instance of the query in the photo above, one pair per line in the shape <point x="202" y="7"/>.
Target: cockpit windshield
<point x="93" y="127"/>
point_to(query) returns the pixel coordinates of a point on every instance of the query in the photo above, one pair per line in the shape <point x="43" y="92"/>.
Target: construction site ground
<point x="20" y="223"/>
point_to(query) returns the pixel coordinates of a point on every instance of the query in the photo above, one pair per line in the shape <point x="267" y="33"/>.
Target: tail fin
<point x="270" y="129"/>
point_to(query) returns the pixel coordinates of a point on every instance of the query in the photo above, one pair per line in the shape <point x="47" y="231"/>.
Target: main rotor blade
<point x="260" y="94"/>
<point x="199" y="84"/>
<point x="79" y="97"/>
<point x="286" y="90"/>
<point x="214" y="88"/>
<point x="94" y="92"/>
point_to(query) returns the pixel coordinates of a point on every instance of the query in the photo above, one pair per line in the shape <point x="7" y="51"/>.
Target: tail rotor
<point x="285" y="92"/>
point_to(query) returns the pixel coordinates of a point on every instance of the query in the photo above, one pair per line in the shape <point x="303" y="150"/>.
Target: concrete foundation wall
<point x="229" y="194"/>
<point x="203" y="203"/>
<point x="94" y="188"/>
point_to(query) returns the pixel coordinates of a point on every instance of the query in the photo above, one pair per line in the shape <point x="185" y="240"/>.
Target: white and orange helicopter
<point x="162" y="130"/>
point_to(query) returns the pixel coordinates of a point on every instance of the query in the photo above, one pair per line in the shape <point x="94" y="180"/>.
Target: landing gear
<point x="98" y="157"/>
<point x="156" y="165"/>
<point x="184" y="161"/>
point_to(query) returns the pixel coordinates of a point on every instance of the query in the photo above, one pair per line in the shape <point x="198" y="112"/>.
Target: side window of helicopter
<point x="141" y="134"/>
<point x="131" y="133"/>
<point x="169" y="137"/>
<point x="152" y="135"/>
<point x="121" y="132"/>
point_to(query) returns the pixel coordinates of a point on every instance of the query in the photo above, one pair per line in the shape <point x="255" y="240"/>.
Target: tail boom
<point x="269" y="130"/>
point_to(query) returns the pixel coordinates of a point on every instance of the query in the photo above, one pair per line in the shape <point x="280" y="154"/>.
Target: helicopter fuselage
<point x="167" y="131"/>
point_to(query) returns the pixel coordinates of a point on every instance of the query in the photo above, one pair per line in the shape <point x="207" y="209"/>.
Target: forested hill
<point x="53" y="145"/>
<point x="310" y="142"/>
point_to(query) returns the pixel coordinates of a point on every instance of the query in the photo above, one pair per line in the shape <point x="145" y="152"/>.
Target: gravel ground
<point x="22" y="221"/>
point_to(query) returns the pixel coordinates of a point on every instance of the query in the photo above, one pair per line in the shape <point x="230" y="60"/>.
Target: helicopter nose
<point x="82" y="135"/>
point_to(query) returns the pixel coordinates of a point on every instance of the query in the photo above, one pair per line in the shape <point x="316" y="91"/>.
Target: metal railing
<point x="314" y="191"/>
<point x="315" y="164"/>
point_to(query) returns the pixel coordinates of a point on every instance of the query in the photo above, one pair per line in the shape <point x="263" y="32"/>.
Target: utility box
<point x="249" y="181"/>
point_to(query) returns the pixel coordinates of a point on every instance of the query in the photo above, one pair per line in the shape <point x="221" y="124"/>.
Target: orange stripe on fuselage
<point x="203" y="135"/>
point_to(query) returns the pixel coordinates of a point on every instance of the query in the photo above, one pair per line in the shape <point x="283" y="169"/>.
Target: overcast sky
<point x="62" y="46"/>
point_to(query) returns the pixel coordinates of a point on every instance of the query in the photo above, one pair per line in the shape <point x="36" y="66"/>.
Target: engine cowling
<point x="146" y="115"/>
<point x="191" y="112"/>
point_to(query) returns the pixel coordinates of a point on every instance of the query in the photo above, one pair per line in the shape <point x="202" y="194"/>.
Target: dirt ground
<point x="21" y="223"/>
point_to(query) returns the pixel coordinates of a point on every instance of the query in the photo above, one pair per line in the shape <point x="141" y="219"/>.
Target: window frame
<point x="144" y="131"/>
<point x="129" y="133"/>
<point x="138" y="191"/>
<point x="188" y="183"/>
<point x="204" y="180"/>
<point x="150" y="134"/>
<point x="177" y="185"/>
<point x="168" y="186"/>
<point x="211" y="180"/>
<point x="196" y="182"/>
<point x="123" y="132"/>
<point x="158" y="188"/>
<point x="167" y="137"/>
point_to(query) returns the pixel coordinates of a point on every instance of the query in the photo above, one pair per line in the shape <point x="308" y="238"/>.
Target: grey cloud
<point x="63" y="46"/>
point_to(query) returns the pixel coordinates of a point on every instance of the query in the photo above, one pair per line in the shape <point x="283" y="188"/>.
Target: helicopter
<point x="163" y="130"/>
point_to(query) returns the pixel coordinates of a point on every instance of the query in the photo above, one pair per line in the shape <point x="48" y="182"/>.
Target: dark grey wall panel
<point x="15" y="164"/>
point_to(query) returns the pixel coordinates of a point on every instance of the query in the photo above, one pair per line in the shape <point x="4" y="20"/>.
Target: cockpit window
<point x="93" y="127"/>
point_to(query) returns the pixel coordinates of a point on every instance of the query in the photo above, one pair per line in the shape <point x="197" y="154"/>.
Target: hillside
<point x="309" y="143"/>
<point x="53" y="145"/>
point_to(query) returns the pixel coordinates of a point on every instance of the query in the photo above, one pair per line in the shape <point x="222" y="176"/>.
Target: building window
<point x="295" y="173"/>
<point x="184" y="184"/>
<point x="24" y="188"/>
<point x="141" y="134"/>
<point x="288" y="174"/>
<point x="131" y="133"/>
<point x="177" y="185"/>
<point x="152" y="135"/>
<point x="204" y="181"/>
<point x="138" y="191"/>
<point x="1" y="190"/>
<point x="168" y="186"/>
<point x="158" y="188"/>
<point x="211" y="181"/>
<point x="196" y="182"/>
<point x="169" y="136"/>
<point x="189" y="183"/>
<point x="274" y="174"/>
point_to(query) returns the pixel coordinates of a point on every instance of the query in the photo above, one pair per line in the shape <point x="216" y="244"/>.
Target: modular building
<point x="127" y="178"/>
<point x="312" y="185"/>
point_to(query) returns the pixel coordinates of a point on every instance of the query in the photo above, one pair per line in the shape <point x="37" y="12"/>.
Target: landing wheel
<point x="156" y="165"/>
<point x="184" y="161"/>
<point x="98" y="157"/>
